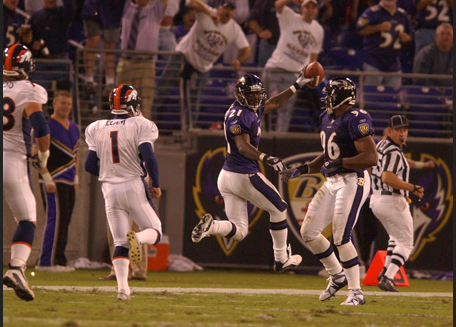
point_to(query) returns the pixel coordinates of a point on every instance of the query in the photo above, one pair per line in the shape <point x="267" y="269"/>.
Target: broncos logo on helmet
<point x="124" y="99"/>
<point x="339" y="91"/>
<point x="250" y="91"/>
<point x="17" y="61"/>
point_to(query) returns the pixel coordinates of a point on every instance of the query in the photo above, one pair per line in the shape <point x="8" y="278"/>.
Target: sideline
<point x="245" y="291"/>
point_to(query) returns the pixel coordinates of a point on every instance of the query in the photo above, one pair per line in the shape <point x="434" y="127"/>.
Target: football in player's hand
<point x="315" y="70"/>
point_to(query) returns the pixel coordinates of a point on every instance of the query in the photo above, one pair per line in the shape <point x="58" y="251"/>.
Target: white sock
<point x="121" y="269"/>
<point x="109" y="79"/>
<point x="19" y="254"/>
<point x="320" y="245"/>
<point x="391" y="271"/>
<point x="353" y="279"/>
<point x="147" y="236"/>
<point x="221" y="228"/>
<point x="279" y="244"/>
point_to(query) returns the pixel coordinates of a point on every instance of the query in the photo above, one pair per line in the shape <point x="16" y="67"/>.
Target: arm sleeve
<point x="39" y="124"/>
<point x="91" y="163"/>
<point x="151" y="162"/>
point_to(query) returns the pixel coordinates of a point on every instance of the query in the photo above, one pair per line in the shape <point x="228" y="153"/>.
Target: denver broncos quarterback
<point x="22" y="110"/>
<point x="120" y="153"/>
<point x="348" y="149"/>
<point x="240" y="179"/>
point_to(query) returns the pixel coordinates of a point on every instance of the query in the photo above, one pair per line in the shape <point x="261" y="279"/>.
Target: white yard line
<point x="245" y="291"/>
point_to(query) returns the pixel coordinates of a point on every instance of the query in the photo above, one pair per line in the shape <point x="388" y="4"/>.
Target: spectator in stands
<point x="14" y="28"/>
<point x="188" y="19"/>
<point x="429" y="15"/>
<point x="140" y="29"/>
<point x="436" y="58"/>
<point x="214" y="30"/>
<point x="263" y="21"/>
<point x="241" y="15"/>
<point x="50" y="27"/>
<point x="301" y="39"/>
<point x="101" y="18"/>
<point x="385" y="28"/>
<point x="167" y="42"/>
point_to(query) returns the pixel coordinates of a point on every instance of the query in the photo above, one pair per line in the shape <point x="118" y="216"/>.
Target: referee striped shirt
<point x="390" y="158"/>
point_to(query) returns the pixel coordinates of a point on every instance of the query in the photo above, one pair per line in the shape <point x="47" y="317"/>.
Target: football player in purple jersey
<point x="240" y="180"/>
<point x="348" y="150"/>
<point x="385" y="28"/>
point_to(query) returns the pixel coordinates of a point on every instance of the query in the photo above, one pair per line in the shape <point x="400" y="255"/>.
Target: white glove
<point x="302" y="80"/>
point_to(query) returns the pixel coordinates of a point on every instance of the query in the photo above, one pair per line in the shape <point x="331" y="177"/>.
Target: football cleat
<point x="203" y="228"/>
<point x="387" y="284"/>
<point x="292" y="261"/>
<point x="123" y="296"/>
<point x="135" y="247"/>
<point x="336" y="282"/>
<point x="15" y="279"/>
<point x="355" y="297"/>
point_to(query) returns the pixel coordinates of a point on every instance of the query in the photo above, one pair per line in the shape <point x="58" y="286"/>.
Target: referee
<point x="390" y="201"/>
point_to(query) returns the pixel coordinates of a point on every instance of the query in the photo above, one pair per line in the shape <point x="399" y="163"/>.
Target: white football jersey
<point x="116" y="143"/>
<point x="16" y="129"/>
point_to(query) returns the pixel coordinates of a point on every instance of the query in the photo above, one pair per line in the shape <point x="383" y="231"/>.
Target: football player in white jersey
<point x="22" y="111"/>
<point x="121" y="153"/>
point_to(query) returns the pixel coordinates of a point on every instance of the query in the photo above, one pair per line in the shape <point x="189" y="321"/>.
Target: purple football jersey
<point x="436" y="13"/>
<point x="338" y="135"/>
<point x="381" y="49"/>
<point x="240" y="120"/>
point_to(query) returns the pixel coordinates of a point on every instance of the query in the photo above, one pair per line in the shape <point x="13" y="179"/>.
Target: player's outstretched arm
<point x="280" y="99"/>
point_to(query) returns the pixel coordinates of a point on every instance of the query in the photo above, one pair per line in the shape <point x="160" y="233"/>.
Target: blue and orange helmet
<point x="124" y="99"/>
<point x="17" y="61"/>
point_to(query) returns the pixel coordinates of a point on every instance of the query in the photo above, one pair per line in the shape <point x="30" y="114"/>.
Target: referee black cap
<point x="398" y="121"/>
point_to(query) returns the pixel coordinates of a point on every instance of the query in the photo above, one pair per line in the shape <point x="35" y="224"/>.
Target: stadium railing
<point x="205" y="106"/>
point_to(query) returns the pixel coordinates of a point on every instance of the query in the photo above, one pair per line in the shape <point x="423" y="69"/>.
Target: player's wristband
<point x="295" y="87"/>
<point x="47" y="178"/>
<point x="43" y="156"/>
<point x="263" y="157"/>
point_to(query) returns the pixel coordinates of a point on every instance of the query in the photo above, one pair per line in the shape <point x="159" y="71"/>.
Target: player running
<point x="22" y="110"/>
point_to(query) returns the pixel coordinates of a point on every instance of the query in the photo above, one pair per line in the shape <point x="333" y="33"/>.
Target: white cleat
<point x="135" y="247"/>
<point x="123" y="296"/>
<point x="15" y="279"/>
<point x="292" y="261"/>
<point x="355" y="297"/>
<point x="202" y="229"/>
<point x="336" y="282"/>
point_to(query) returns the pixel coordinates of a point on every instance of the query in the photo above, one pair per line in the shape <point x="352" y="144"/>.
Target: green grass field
<point x="220" y="298"/>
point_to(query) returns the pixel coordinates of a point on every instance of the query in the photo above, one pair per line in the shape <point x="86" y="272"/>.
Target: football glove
<point x="331" y="166"/>
<point x="289" y="173"/>
<point x="275" y="163"/>
<point x="302" y="80"/>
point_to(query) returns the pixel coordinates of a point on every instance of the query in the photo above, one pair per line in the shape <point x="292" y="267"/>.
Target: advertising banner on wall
<point x="432" y="215"/>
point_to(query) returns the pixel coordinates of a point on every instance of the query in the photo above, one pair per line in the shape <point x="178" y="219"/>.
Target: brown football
<point x="315" y="70"/>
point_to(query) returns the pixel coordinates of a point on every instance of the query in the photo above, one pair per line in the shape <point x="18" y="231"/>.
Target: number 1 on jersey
<point x="114" y="147"/>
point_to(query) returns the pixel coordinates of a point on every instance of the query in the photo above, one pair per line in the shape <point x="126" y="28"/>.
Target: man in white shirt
<point x="214" y="30"/>
<point x="301" y="39"/>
